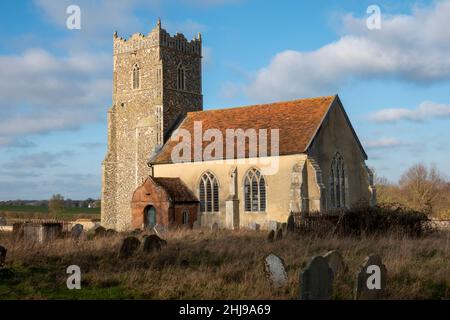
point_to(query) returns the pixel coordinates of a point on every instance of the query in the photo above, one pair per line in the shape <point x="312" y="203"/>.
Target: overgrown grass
<point x="222" y="265"/>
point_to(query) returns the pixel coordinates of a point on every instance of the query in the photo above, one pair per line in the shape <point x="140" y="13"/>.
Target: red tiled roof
<point x="297" y="121"/>
<point x="177" y="190"/>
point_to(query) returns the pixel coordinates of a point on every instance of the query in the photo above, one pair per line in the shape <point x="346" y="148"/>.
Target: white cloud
<point x="383" y="143"/>
<point x="425" y="111"/>
<point x="38" y="160"/>
<point x="411" y="48"/>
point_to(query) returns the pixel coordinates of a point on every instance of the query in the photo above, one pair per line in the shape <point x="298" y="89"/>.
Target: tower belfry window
<point x="181" y="78"/>
<point x="136" y="77"/>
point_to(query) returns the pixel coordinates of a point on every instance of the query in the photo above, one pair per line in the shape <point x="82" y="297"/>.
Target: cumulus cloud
<point x="425" y="111"/>
<point x="412" y="48"/>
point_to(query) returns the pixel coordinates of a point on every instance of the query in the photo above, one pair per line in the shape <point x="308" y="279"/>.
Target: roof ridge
<point x="263" y="104"/>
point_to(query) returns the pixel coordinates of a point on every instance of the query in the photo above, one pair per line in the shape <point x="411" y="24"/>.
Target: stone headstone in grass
<point x="335" y="262"/>
<point x="254" y="226"/>
<point x="110" y="232"/>
<point x="279" y="234"/>
<point x="271" y="236"/>
<point x="272" y="225"/>
<point x="76" y="231"/>
<point x="215" y="227"/>
<point x="196" y="225"/>
<point x="275" y="271"/>
<point x="99" y="231"/>
<point x="160" y="230"/>
<point x="316" y="281"/>
<point x="2" y="221"/>
<point x="291" y="224"/>
<point x="3" y="252"/>
<point x="153" y="243"/>
<point x="371" y="279"/>
<point x="128" y="247"/>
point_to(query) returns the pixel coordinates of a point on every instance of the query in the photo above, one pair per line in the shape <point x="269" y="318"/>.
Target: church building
<point x="171" y="163"/>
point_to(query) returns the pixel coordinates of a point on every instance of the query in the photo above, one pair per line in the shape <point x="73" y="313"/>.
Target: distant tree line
<point x="66" y="203"/>
<point x="423" y="188"/>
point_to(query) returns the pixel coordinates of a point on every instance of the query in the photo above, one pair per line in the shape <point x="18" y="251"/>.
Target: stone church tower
<point x="157" y="79"/>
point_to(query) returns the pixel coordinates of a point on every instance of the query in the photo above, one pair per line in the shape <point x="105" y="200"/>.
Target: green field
<point x="24" y="212"/>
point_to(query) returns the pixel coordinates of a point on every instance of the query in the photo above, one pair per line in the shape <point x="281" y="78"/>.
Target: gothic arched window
<point x="209" y="193"/>
<point x="181" y="78"/>
<point x="136" y="77"/>
<point x="185" y="216"/>
<point x="254" y="191"/>
<point x="338" y="183"/>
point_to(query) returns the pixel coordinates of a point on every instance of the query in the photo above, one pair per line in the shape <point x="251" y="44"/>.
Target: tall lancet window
<point x="338" y="183"/>
<point x="159" y="125"/>
<point x="181" y="78"/>
<point x="136" y="77"/>
<point x="209" y="193"/>
<point x="254" y="191"/>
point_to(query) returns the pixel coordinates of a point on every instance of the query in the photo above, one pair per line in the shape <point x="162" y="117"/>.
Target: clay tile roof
<point x="297" y="121"/>
<point x="177" y="190"/>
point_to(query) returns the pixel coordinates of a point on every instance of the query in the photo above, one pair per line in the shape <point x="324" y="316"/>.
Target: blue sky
<point x="55" y="83"/>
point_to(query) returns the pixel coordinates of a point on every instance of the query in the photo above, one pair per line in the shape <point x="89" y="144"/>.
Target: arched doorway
<point x="149" y="217"/>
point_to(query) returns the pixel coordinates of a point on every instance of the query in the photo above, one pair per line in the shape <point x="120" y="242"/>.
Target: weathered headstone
<point x="279" y="234"/>
<point x="18" y="230"/>
<point x="371" y="279"/>
<point x="42" y="232"/>
<point x="271" y="236"/>
<point x="153" y="243"/>
<point x="215" y="226"/>
<point x="275" y="271"/>
<point x="2" y="221"/>
<point x="128" y="247"/>
<point x="100" y="231"/>
<point x="316" y="281"/>
<point x="272" y="225"/>
<point x="76" y="231"/>
<point x="254" y="226"/>
<point x="110" y="232"/>
<point x="160" y="230"/>
<point x="196" y="225"/>
<point x="3" y="252"/>
<point x="335" y="262"/>
<point x="291" y="224"/>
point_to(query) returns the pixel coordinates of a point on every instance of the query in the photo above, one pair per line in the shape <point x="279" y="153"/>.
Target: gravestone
<point x="153" y="243"/>
<point x="3" y="252"/>
<point x="128" y="247"/>
<point x="76" y="231"/>
<point x="271" y="236"/>
<point x="160" y="230"/>
<point x="279" y="234"/>
<point x="215" y="227"/>
<point x="291" y="224"/>
<point x="2" y="221"/>
<point x="275" y="271"/>
<point x="110" y="232"/>
<point x="316" y="281"/>
<point x="272" y="225"/>
<point x="100" y="231"/>
<point x="335" y="262"/>
<point x="196" y="225"/>
<point x="254" y="226"/>
<point x="42" y="232"/>
<point x="371" y="279"/>
<point x="18" y="229"/>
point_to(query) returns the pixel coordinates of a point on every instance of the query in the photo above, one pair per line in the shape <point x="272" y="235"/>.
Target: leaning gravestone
<point x="3" y="252"/>
<point x="371" y="279"/>
<point x="275" y="271"/>
<point x="110" y="232"/>
<point x="153" y="243"/>
<point x="316" y="281"/>
<point x="76" y="231"/>
<point x="291" y="224"/>
<point x="215" y="226"/>
<point x="272" y="225"/>
<point x="100" y="231"/>
<point x="279" y="234"/>
<point x="335" y="262"/>
<point x="159" y="230"/>
<point x="271" y="236"/>
<point x="2" y="221"/>
<point x="129" y="246"/>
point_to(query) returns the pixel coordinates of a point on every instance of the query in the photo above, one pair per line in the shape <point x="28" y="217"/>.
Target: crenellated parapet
<point x="158" y="37"/>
